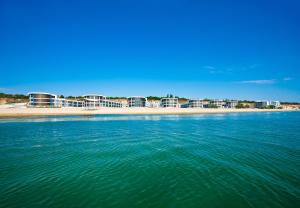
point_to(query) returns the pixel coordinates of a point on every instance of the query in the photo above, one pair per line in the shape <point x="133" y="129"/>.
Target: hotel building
<point x="47" y="100"/>
<point x="231" y="103"/>
<point x="218" y="103"/>
<point x="265" y="104"/>
<point x="275" y="103"/>
<point x="194" y="103"/>
<point x="262" y="104"/>
<point x="137" y="101"/>
<point x="153" y="104"/>
<point x="96" y="101"/>
<point x="74" y="103"/>
<point x="42" y="99"/>
<point x="169" y="103"/>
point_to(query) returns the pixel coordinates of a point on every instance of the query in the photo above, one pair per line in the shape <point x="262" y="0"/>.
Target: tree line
<point x="14" y="96"/>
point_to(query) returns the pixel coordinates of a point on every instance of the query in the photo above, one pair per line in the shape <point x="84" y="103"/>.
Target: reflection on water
<point x="217" y="116"/>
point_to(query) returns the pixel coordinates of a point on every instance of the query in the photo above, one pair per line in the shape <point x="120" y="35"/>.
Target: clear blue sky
<point x="199" y="49"/>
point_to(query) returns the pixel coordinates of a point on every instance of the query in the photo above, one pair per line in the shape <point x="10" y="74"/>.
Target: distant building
<point x="265" y="104"/>
<point x="74" y="103"/>
<point x="137" y="101"/>
<point x="275" y="103"/>
<point x="93" y="101"/>
<point x="96" y="101"/>
<point x="62" y="102"/>
<point x="184" y="105"/>
<point x="231" y="103"/>
<point x="218" y="103"/>
<point x="261" y="104"/>
<point x="169" y="103"/>
<point x="42" y="99"/>
<point x="153" y="104"/>
<point x="194" y="103"/>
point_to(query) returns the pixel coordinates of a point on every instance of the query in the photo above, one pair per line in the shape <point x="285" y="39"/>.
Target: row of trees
<point x="271" y="107"/>
<point x="242" y="105"/>
<point x="211" y="105"/>
<point x="14" y="96"/>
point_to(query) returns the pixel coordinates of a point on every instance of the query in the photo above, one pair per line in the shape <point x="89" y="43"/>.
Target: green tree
<point x="270" y="107"/>
<point x="212" y="106"/>
<point x="239" y="105"/>
<point x="153" y="98"/>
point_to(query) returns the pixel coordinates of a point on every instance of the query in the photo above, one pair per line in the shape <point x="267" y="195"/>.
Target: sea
<point x="208" y="160"/>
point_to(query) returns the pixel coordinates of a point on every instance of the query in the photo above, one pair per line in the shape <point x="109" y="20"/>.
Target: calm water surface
<point x="221" y="160"/>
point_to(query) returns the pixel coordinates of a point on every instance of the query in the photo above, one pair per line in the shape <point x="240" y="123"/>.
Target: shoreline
<point x="73" y="111"/>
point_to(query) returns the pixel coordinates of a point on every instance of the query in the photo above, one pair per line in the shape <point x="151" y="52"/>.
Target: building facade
<point x="275" y="103"/>
<point x="153" y="104"/>
<point x="169" y="103"/>
<point x="231" y="103"/>
<point x="74" y="103"/>
<point x="198" y="103"/>
<point x="137" y="101"/>
<point x="265" y="104"/>
<point x="261" y="104"/>
<point x="96" y="101"/>
<point x="42" y="99"/>
<point x="194" y="103"/>
<point x="218" y="103"/>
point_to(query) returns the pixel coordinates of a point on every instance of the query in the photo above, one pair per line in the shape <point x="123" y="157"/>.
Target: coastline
<point x="23" y="112"/>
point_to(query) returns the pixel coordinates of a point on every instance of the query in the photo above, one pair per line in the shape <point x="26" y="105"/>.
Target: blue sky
<point x="198" y="49"/>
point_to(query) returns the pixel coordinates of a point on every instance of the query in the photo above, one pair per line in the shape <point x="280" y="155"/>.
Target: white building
<point x="194" y="103"/>
<point x="219" y="103"/>
<point x="153" y="104"/>
<point x="275" y="103"/>
<point x="96" y="101"/>
<point x="169" y="103"/>
<point x="42" y="99"/>
<point x="137" y="101"/>
<point x="48" y="100"/>
<point x="231" y="103"/>
<point x="265" y="104"/>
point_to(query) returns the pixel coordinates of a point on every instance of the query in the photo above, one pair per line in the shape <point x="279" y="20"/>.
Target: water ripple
<point x="220" y="160"/>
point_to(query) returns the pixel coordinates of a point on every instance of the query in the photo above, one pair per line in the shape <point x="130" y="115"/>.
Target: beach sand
<point x="15" y="112"/>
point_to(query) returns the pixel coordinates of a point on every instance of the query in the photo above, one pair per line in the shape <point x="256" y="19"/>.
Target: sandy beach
<point x="15" y="112"/>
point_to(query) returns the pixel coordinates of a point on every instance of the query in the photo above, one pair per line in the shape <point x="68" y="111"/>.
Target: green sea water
<point x="220" y="160"/>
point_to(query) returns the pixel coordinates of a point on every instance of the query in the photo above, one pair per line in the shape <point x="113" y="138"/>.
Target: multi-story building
<point x="231" y="103"/>
<point x="42" y="99"/>
<point x="262" y="104"/>
<point x="74" y="103"/>
<point x="275" y="103"/>
<point x="198" y="103"/>
<point x="218" y="103"/>
<point x="62" y="102"/>
<point x="93" y="101"/>
<point x="153" y="104"/>
<point x="169" y="103"/>
<point x="96" y="101"/>
<point x="137" y="101"/>
<point x="265" y="104"/>
<point x="194" y="103"/>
